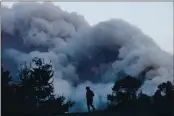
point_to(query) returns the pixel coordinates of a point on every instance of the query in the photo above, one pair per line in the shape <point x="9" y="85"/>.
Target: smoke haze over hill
<point x="82" y="55"/>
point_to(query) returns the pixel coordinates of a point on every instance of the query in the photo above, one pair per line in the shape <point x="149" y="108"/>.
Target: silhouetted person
<point x="89" y="97"/>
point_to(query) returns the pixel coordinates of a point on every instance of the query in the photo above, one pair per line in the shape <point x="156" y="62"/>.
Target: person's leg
<point x="93" y="107"/>
<point x="88" y="105"/>
<point x="89" y="109"/>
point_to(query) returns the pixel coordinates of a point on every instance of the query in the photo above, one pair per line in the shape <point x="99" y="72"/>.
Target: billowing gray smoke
<point x="81" y="54"/>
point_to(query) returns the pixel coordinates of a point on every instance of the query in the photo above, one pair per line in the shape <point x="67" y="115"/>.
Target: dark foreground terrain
<point x="110" y="114"/>
<point x="97" y="114"/>
<point x="104" y="113"/>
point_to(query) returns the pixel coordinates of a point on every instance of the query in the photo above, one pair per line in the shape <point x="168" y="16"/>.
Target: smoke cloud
<point x="82" y="55"/>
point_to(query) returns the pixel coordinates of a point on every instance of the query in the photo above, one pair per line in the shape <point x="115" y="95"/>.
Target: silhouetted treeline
<point x="33" y="93"/>
<point x="127" y="98"/>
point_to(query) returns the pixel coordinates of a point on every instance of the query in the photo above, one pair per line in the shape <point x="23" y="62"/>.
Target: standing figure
<point x="89" y="98"/>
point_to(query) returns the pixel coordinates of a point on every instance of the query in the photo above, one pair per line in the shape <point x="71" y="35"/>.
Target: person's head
<point x="87" y="88"/>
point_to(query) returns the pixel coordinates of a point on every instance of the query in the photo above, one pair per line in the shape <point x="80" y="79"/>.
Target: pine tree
<point x="36" y="83"/>
<point x="36" y="89"/>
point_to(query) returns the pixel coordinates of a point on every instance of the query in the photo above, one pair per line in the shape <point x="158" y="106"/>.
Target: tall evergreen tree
<point x="36" y="84"/>
<point x="36" y="89"/>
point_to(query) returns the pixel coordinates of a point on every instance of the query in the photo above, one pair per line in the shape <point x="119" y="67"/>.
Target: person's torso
<point x="89" y="94"/>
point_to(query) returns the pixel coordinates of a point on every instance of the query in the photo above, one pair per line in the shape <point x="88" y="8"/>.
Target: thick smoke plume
<point x="82" y="55"/>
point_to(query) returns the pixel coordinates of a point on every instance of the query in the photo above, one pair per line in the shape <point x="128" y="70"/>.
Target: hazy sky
<point x="153" y="18"/>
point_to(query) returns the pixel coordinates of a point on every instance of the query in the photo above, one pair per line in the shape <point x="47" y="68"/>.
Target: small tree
<point x="164" y="98"/>
<point x="5" y="78"/>
<point x="6" y="90"/>
<point x="124" y="91"/>
<point x="56" y="105"/>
